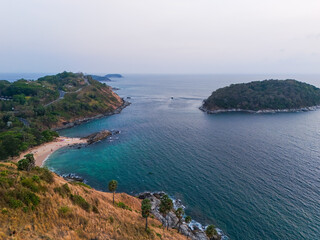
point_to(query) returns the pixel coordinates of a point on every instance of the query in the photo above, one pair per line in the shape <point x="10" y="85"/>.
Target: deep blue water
<point x="255" y="176"/>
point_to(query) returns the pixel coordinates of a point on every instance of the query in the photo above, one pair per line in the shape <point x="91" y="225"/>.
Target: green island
<point x="31" y="110"/>
<point x="264" y="96"/>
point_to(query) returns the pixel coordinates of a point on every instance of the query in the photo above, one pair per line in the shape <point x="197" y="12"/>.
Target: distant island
<point x="114" y="75"/>
<point x="264" y="96"/>
<point x="106" y="77"/>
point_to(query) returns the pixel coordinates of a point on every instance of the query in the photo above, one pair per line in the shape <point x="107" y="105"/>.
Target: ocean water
<point x="255" y="176"/>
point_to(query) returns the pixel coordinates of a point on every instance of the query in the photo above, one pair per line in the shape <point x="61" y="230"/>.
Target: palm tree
<point x="165" y="207"/>
<point x="188" y="220"/>
<point x="179" y="213"/>
<point x="145" y="210"/>
<point x="211" y="231"/>
<point x="113" y="184"/>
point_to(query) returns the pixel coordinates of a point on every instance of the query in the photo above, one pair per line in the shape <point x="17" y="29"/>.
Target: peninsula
<point x="264" y="96"/>
<point x="30" y="111"/>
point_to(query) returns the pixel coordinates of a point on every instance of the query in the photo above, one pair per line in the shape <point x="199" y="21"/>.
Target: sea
<point x="254" y="176"/>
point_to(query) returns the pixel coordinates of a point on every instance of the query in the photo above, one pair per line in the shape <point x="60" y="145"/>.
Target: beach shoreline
<point x="43" y="151"/>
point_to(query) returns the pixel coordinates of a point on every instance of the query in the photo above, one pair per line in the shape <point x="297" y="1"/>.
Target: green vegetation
<point x="95" y="209"/>
<point x="46" y="175"/>
<point x="19" y="189"/>
<point x="64" y="190"/>
<point x="123" y="206"/>
<point x="26" y="163"/>
<point x="113" y="185"/>
<point x="145" y="210"/>
<point x="188" y="219"/>
<point x="32" y="108"/>
<point x="80" y="201"/>
<point x="211" y="231"/>
<point x="264" y="95"/>
<point x="165" y="207"/>
<point x="64" y="211"/>
<point x="81" y="184"/>
<point x="179" y="213"/>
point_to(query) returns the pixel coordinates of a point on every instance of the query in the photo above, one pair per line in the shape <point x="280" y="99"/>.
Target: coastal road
<point x="61" y="96"/>
<point x="62" y="93"/>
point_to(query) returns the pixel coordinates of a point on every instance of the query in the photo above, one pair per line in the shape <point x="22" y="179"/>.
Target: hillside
<point x="41" y="205"/>
<point x="29" y="109"/>
<point x="263" y="95"/>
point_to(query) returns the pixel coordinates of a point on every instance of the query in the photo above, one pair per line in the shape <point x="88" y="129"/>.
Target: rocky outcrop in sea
<point x="193" y="232"/>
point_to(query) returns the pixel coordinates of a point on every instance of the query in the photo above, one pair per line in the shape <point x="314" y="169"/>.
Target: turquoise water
<point x="254" y="176"/>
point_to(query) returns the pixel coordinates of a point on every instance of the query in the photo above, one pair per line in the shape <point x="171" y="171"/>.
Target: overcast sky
<point x="163" y="36"/>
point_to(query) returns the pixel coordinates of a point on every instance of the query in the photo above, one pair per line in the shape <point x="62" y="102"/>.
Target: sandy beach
<point x="42" y="152"/>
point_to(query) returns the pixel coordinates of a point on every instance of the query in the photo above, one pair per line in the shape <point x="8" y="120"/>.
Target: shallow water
<point x="255" y="176"/>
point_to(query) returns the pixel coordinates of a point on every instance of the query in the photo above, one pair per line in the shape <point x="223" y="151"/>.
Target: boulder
<point x="98" y="136"/>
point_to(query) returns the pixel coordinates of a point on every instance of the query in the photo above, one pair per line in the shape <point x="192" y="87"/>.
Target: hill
<point x="114" y="75"/>
<point x="41" y="205"/>
<point x="106" y="77"/>
<point x="30" y="109"/>
<point x="267" y="95"/>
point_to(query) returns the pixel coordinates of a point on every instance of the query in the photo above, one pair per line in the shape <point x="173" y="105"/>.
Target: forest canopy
<point x="264" y="95"/>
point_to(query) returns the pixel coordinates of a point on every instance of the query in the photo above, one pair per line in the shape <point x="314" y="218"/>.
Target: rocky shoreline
<point x="304" y="109"/>
<point x="193" y="233"/>
<point x="84" y="120"/>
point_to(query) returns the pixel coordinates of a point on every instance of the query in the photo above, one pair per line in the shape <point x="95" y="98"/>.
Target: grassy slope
<point x="58" y="217"/>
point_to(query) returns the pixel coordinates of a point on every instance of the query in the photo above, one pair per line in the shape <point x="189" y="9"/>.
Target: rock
<point x="98" y="136"/>
<point x="171" y="219"/>
<point x="72" y="177"/>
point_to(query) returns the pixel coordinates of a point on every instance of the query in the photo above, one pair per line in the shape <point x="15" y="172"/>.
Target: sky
<point x="163" y="36"/>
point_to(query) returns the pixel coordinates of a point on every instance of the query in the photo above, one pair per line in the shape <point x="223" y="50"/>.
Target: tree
<point x="179" y="213"/>
<point x="188" y="220"/>
<point x="12" y="145"/>
<point x="113" y="184"/>
<point x="145" y="210"/>
<point x="211" y="231"/>
<point x="27" y="164"/>
<point x="165" y="207"/>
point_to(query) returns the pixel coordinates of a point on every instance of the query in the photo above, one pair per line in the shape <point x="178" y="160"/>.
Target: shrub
<point x="64" y="190"/>
<point x="4" y="211"/>
<point x="28" y="197"/>
<point x="64" y="211"/>
<point x="14" y="203"/>
<point x="47" y="175"/>
<point x="95" y="209"/>
<point x="80" y="201"/>
<point x="81" y="184"/>
<point x="26" y="164"/>
<point x="111" y="219"/>
<point x="36" y="178"/>
<point x="29" y="183"/>
<point x="123" y="206"/>
<point x="6" y="182"/>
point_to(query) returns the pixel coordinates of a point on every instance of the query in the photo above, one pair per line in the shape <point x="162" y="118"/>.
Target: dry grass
<point x="58" y="217"/>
